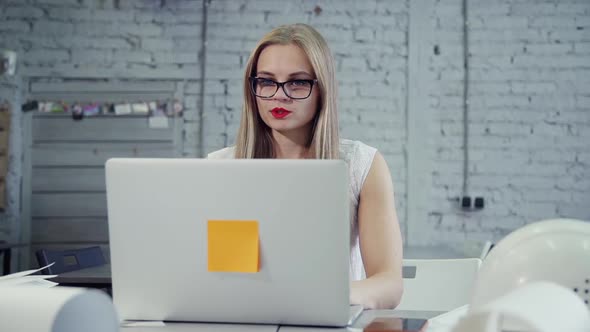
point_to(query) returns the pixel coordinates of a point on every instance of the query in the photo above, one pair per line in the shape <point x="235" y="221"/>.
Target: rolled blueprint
<point x="57" y="309"/>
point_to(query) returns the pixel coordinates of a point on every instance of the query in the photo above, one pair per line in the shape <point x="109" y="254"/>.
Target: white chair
<point x="438" y="284"/>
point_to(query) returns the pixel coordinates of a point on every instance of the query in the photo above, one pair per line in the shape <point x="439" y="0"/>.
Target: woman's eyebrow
<point x="297" y="73"/>
<point x="265" y="73"/>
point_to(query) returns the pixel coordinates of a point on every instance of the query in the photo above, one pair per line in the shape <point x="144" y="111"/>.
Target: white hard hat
<point x="556" y="250"/>
<point x="535" y="279"/>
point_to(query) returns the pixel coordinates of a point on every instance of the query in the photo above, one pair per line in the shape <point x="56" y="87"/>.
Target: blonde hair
<point x="254" y="138"/>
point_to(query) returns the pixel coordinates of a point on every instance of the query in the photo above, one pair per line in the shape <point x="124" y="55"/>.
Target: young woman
<point x="290" y="112"/>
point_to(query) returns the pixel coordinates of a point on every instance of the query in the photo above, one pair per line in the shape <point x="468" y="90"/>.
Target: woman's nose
<point x="281" y="95"/>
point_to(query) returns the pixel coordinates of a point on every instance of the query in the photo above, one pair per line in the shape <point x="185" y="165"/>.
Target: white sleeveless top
<point x="359" y="158"/>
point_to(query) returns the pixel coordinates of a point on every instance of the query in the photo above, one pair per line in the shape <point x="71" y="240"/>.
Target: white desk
<point x="202" y="327"/>
<point x="360" y="323"/>
<point x="100" y="276"/>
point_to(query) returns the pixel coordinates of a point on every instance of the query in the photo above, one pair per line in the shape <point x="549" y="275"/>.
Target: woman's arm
<point x="380" y="242"/>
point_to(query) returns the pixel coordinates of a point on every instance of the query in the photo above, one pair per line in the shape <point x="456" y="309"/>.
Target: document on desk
<point x="36" y="280"/>
<point x="446" y="321"/>
<point x="26" y="278"/>
<point x="143" y="323"/>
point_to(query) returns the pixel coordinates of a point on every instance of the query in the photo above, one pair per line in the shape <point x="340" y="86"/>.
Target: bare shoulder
<point x="379" y="164"/>
<point x="379" y="177"/>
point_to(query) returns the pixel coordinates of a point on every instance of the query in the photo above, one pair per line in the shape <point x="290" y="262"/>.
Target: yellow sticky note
<point x="232" y="246"/>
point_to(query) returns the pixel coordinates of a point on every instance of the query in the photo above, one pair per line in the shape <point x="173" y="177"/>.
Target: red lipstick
<point x="279" y="112"/>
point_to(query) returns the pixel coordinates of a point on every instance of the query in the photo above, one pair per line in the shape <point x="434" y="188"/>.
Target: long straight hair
<point x="254" y="138"/>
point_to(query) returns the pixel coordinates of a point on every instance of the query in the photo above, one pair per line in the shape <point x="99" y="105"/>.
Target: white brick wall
<point x="529" y="113"/>
<point x="95" y="39"/>
<point x="529" y="86"/>
<point x="91" y="38"/>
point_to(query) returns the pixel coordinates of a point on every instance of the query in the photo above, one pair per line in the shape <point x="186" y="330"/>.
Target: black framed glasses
<point x="294" y="89"/>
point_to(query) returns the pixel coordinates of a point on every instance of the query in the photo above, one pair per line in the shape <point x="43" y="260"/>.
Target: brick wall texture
<point x="529" y="86"/>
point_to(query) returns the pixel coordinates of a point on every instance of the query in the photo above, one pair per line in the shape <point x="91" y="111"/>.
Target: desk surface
<point x="101" y="275"/>
<point x="360" y="323"/>
<point x="98" y="275"/>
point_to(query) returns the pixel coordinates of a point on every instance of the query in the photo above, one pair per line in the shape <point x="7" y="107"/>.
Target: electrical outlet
<point x="478" y="203"/>
<point x="466" y="202"/>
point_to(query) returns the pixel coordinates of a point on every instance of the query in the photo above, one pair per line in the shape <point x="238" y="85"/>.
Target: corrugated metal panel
<point x="64" y="193"/>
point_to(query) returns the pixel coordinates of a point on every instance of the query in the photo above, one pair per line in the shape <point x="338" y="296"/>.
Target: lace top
<point x="359" y="158"/>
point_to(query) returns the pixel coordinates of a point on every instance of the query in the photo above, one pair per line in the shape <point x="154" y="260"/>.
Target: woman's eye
<point x="264" y="82"/>
<point x="299" y="83"/>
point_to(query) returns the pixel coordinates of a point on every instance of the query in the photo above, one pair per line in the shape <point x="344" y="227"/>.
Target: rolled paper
<point x="57" y="309"/>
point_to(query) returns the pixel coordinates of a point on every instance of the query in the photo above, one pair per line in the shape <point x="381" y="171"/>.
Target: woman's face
<point x="281" y="63"/>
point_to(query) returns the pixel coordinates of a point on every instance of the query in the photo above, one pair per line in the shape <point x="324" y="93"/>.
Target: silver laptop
<point x="160" y="213"/>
